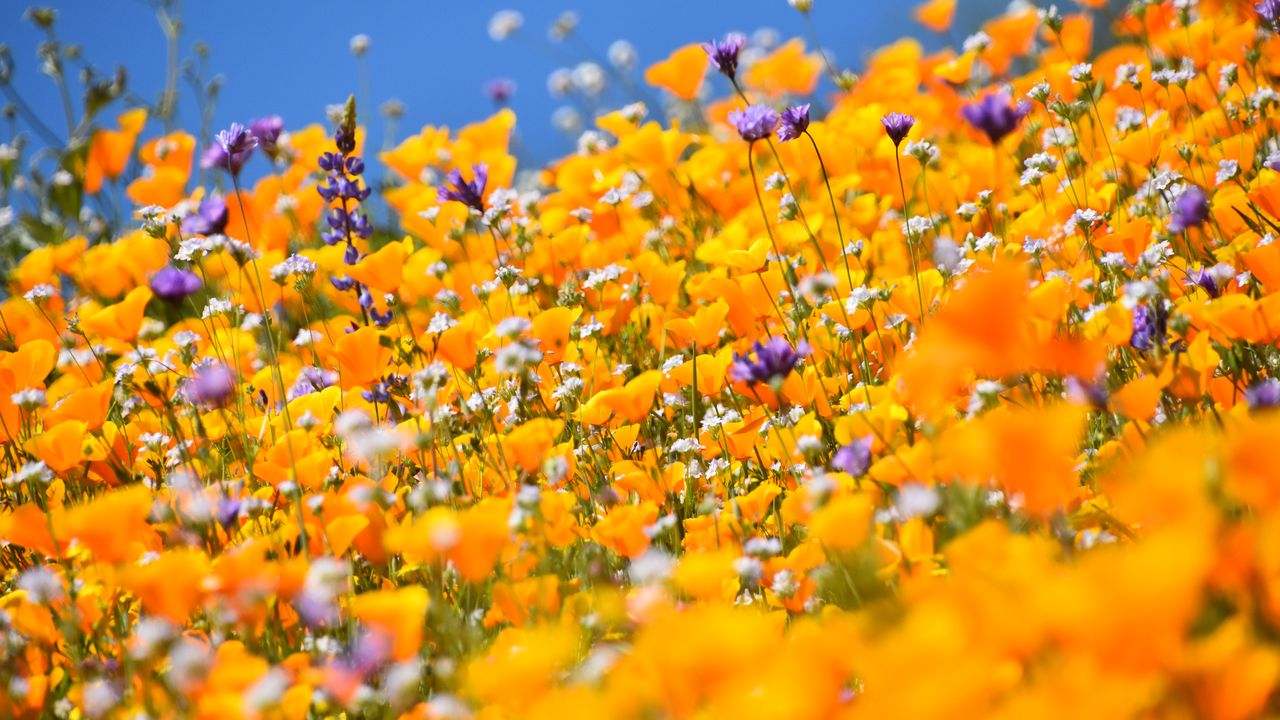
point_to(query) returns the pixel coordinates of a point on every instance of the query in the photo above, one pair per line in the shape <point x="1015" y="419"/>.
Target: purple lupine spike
<point x="210" y="217"/>
<point x="344" y="191"/>
<point x="897" y="125"/>
<point x="471" y="193"/>
<point x="995" y="115"/>
<point x="1143" y="330"/>
<point x="381" y="319"/>
<point x="173" y="285"/>
<point x="1150" y="323"/>
<point x="1269" y="11"/>
<point x="754" y="122"/>
<point x="380" y="393"/>
<point x="1190" y="210"/>
<point x="345" y="139"/>
<point x="724" y="54"/>
<point x="795" y="121"/>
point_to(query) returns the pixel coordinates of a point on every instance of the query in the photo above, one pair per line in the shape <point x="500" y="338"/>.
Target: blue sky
<point x="291" y="57"/>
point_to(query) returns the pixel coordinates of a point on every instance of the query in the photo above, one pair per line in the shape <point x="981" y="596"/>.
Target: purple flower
<point x="228" y="512"/>
<point x="210" y="218"/>
<point x="231" y="150"/>
<point x="897" y="125"/>
<point x="236" y="139"/>
<point x="311" y="379"/>
<point x="315" y="609"/>
<point x="500" y="90"/>
<point x="343" y="191"/>
<point x="266" y="131"/>
<point x="345" y="138"/>
<point x="471" y="193"/>
<point x="1263" y="395"/>
<point x="1273" y="160"/>
<point x="995" y="115"/>
<point x="773" y="362"/>
<point x="724" y="55"/>
<point x="1189" y="210"/>
<point x="211" y="384"/>
<point x="795" y="121"/>
<point x="1149" y="326"/>
<point x="1269" y="11"/>
<point x="853" y="458"/>
<point x="1204" y="280"/>
<point x="173" y="285"/>
<point x="1092" y="392"/>
<point x="755" y="122"/>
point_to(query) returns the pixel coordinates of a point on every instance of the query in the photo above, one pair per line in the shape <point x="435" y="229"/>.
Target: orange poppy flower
<point x="681" y="73"/>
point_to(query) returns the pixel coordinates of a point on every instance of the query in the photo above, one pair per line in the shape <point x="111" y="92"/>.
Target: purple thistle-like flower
<point x="1263" y="395"/>
<point x="1269" y="11"/>
<point x="897" y="125"/>
<point x="266" y="131"/>
<point x="210" y="385"/>
<point x="216" y="157"/>
<point x="471" y="193"/>
<point x="755" y="122"/>
<point x="174" y="285"/>
<point x="231" y="150"/>
<point x="1190" y="210"/>
<point x="853" y="458"/>
<point x="210" y="218"/>
<point x="724" y="54"/>
<point x="500" y="90"/>
<point x="995" y="115"/>
<point x="795" y="121"/>
<point x="773" y="361"/>
<point x="236" y="139"/>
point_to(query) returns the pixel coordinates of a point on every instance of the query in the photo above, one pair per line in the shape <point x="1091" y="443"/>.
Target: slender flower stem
<point x="804" y="221"/>
<point x="1102" y="130"/>
<point x="813" y="35"/>
<point x="266" y="311"/>
<point x="275" y="361"/>
<point x="915" y="266"/>
<point x="835" y="215"/>
<point x="764" y="215"/>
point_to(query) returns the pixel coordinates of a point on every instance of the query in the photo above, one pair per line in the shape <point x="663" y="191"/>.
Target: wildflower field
<point x="947" y="393"/>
